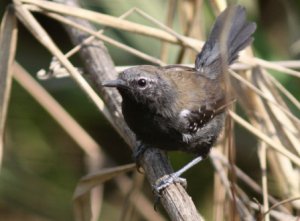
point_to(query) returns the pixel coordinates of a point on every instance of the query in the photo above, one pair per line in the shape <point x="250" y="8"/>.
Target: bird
<point x="176" y="107"/>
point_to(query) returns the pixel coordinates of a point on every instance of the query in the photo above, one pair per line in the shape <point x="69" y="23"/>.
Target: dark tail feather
<point x="232" y="21"/>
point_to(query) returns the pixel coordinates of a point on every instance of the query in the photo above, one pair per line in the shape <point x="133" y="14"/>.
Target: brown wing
<point x="194" y="90"/>
<point x="199" y="98"/>
<point x="198" y="118"/>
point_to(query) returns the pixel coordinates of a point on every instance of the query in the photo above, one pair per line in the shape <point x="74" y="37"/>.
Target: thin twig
<point x="242" y="209"/>
<point x="283" y="90"/>
<point x="277" y="215"/>
<point x="268" y="65"/>
<point x="181" y="39"/>
<point x="276" y="146"/>
<point x="111" y="21"/>
<point x="190" y="25"/>
<point x="102" y="37"/>
<point x="244" y="177"/>
<point x="264" y="96"/>
<point x="172" y="6"/>
<point x="287" y="128"/>
<point x="30" y="22"/>
<point x="172" y="36"/>
<point x="280" y="203"/>
<point x="262" y="154"/>
<point x="93" y="37"/>
<point x="132" y="195"/>
<point x="141" y="203"/>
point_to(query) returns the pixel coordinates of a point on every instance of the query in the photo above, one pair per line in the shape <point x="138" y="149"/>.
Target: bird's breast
<point x="150" y="127"/>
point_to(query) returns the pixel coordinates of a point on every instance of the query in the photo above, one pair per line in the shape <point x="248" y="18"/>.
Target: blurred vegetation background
<point x="42" y="165"/>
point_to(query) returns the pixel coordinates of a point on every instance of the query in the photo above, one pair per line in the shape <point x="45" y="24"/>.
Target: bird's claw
<point x="163" y="183"/>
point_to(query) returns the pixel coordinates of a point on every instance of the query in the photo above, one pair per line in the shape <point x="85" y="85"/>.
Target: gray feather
<point x="239" y="35"/>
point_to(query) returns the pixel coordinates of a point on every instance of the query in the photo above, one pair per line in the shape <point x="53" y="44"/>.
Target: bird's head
<point x="144" y="84"/>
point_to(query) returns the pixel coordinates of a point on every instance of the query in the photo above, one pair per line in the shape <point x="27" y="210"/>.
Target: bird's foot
<point x="163" y="183"/>
<point x="167" y="180"/>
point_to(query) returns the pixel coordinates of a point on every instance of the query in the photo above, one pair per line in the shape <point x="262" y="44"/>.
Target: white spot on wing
<point x="184" y="113"/>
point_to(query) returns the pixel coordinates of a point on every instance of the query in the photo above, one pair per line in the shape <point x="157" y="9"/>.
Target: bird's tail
<point x="232" y="28"/>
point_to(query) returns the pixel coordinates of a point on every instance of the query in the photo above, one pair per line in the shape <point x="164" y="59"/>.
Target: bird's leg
<point x="138" y="151"/>
<point x="165" y="181"/>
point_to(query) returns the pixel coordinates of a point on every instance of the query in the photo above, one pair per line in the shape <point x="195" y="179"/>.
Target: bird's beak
<point x="114" y="83"/>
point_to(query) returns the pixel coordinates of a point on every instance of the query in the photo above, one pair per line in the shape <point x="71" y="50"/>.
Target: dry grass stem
<point x="283" y="90"/>
<point x="268" y="65"/>
<point x="286" y="130"/>
<point x="181" y="39"/>
<point x="40" y="34"/>
<point x="93" y="37"/>
<point x="276" y="215"/>
<point x="242" y="209"/>
<point x="142" y="205"/>
<point x="264" y="96"/>
<point x="103" y="37"/>
<point x="220" y="195"/>
<point x="128" y="209"/>
<point x="235" y="67"/>
<point x="149" y="31"/>
<point x="90" y="147"/>
<point x="95" y="157"/>
<point x="288" y="126"/>
<point x="82" y="196"/>
<point x="262" y="154"/>
<point x="215" y="153"/>
<point x="281" y="203"/>
<point x="43" y="75"/>
<point x="93" y="179"/>
<point x="191" y="25"/>
<point x="110" y="21"/>
<point x="218" y="5"/>
<point x="172" y="7"/>
<point x="8" y="42"/>
<point x="276" y="146"/>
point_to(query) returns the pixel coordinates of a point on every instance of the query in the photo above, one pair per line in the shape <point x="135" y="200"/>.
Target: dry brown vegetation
<point x="264" y="101"/>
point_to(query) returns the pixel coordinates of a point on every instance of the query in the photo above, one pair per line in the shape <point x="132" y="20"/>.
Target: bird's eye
<point x="142" y="82"/>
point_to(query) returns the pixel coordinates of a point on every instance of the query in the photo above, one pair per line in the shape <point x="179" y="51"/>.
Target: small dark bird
<point x="182" y="108"/>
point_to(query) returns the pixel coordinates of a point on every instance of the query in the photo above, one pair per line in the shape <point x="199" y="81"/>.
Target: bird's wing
<point x="197" y="117"/>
